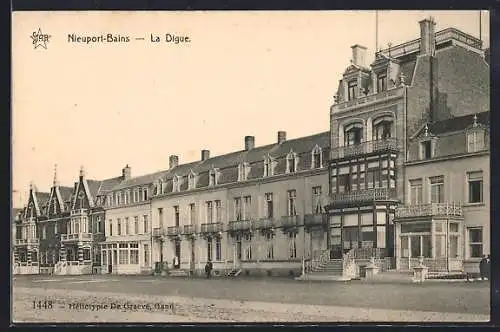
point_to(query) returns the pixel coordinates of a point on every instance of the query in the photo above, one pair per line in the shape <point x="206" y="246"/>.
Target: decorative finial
<point x="31" y="185"/>
<point x="82" y="171"/>
<point x="426" y="130"/>
<point x="474" y="124"/>
<point x="402" y="79"/>
<point x="55" y="175"/>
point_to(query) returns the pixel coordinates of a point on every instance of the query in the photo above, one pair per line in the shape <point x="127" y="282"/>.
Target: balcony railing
<point x="173" y="230"/>
<point x="361" y="100"/>
<point x="211" y="228"/>
<point x="76" y="237"/>
<point x="26" y="242"/>
<point x="366" y="195"/>
<point x="432" y="209"/>
<point x="158" y="232"/>
<point x="264" y="223"/>
<point x="78" y="212"/>
<point x="189" y="229"/>
<point x="388" y="144"/>
<point x="314" y="219"/>
<point x="240" y="225"/>
<point x="289" y="221"/>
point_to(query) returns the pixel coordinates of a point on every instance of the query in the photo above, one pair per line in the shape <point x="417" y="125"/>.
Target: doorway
<point x="178" y="254"/>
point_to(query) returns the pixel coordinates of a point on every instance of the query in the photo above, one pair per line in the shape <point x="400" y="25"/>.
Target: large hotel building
<point x="401" y="176"/>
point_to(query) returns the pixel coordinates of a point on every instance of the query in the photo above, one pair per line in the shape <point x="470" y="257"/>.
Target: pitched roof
<point x="66" y="193"/>
<point x="459" y="123"/>
<point x="140" y="180"/>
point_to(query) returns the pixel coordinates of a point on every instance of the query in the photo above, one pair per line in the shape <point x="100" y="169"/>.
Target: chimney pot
<point x="427" y="36"/>
<point x="249" y="143"/>
<point x="173" y="161"/>
<point x="359" y="55"/>
<point x="281" y="136"/>
<point x="126" y="172"/>
<point x="205" y="154"/>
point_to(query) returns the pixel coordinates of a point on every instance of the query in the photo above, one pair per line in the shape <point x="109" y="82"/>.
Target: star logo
<point x="40" y="39"/>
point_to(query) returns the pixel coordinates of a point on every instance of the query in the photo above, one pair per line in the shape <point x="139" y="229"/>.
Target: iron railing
<point x="361" y="149"/>
<point x="76" y="237"/>
<point x="375" y="194"/>
<point x="240" y="225"/>
<point x="431" y="209"/>
<point x="211" y="227"/>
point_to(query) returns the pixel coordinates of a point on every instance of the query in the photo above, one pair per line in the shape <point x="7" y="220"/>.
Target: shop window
<point x="134" y="256"/>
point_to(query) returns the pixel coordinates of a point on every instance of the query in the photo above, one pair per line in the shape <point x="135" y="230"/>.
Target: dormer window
<point x="316" y="157"/>
<point x="475" y="140"/>
<point x="352" y="88"/>
<point x="243" y="170"/>
<point x="291" y="162"/>
<point x="191" y="180"/>
<point x="381" y="82"/>
<point x="213" y="177"/>
<point x="175" y="183"/>
<point x="145" y="194"/>
<point x="118" y="198"/>
<point x="426" y="149"/>
<point x="268" y="166"/>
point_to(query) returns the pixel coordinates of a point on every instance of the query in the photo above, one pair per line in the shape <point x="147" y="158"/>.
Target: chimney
<point x="359" y="55"/>
<point x="173" y="161"/>
<point x="281" y="136"/>
<point x="427" y="36"/>
<point x="249" y="143"/>
<point x="127" y="172"/>
<point x="205" y="154"/>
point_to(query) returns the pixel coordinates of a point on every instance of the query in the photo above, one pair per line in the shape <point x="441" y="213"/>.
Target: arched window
<point x="191" y="180"/>
<point x="175" y="183"/>
<point x="291" y="162"/>
<point x="268" y="166"/>
<point x="353" y="134"/>
<point x="213" y="177"/>
<point x="382" y="128"/>
<point x="317" y="159"/>
<point x="243" y="170"/>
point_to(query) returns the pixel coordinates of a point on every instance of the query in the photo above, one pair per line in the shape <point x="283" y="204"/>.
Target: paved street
<point x="356" y="300"/>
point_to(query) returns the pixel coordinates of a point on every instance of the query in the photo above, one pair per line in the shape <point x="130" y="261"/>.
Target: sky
<point x="105" y="105"/>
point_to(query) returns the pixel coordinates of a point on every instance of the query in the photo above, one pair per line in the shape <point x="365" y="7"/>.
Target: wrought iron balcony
<point x="189" y="229"/>
<point x="158" y="232"/>
<point x="76" y="237"/>
<point x="429" y="210"/>
<point x="368" y="99"/>
<point x="314" y="219"/>
<point x="264" y="223"/>
<point x="366" y="195"/>
<point x="211" y="227"/>
<point x="388" y="144"/>
<point x="21" y="242"/>
<point x="289" y="221"/>
<point x="173" y="231"/>
<point x="240" y="225"/>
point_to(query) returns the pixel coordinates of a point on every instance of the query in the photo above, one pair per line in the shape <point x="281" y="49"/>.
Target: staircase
<point x="326" y="269"/>
<point x="330" y="267"/>
<point x="234" y="273"/>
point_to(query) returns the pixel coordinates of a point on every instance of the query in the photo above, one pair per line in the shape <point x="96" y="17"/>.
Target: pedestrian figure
<point x="482" y="267"/>
<point x="488" y="267"/>
<point x="207" y="270"/>
<point x="210" y="267"/>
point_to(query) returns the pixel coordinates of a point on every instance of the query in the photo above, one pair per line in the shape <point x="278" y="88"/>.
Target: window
<point x="243" y="171"/>
<point x="269" y="205"/>
<point x="218" y="250"/>
<point x="191" y="181"/>
<point x="209" y="212"/>
<point x="291" y="162"/>
<point x="86" y="254"/>
<point x="127" y="226"/>
<point x="270" y="248"/>
<point x="44" y="232"/>
<point x="213" y="177"/>
<point x="248" y="252"/>
<point x="352" y="87"/>
<point x="247" y="207"/>
<point x="192" y="214"/>
<point x="316" y="157"/>
<point x="416" y="192"/>
<point x="475" y="242"/>
<point x="136" y="225"/>
<point x="237" y="208"/>
<point x="146" y="224"/>
<point x="160" y="217"/>
<point x="382" y="131"/>
<point x="316" y="199"/>
<point x="146" y="255"/>
<point x="119" y="229"/>
<point x="268" y="166"/>
<point x="176" y="215"/>
<point x="293" y="245"/>
<point x="55" y="227"/>
<point x="475" y="141"/>
<point x="381" y="82"/>
<point x="110" y="227"/>
<point x="209" y="249"/>
<point x="437" y="189"/>
<point x="98" y="224"/>
<point x="134" y="256"/>
<point x="475" y="180"/>
<point x="145" y="194"/>
<point x="123" y="256"/>
<point x="344" y="182"/>
<point x="425" y="150"/>
<point x="353" y="136"/>
<point x="175" y="183"/>
<point x="218" y="211"/>
<point x="292" y="197"/>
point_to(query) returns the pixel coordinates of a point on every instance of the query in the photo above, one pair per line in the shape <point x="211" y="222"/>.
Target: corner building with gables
<point x="380" y="108"/>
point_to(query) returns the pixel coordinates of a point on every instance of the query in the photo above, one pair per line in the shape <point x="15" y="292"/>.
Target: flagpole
<point x="376" y="31"/>
<point x="480" y="27"/>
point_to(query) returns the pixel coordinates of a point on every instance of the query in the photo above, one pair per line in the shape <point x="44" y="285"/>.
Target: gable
<point x="82" y="198"/>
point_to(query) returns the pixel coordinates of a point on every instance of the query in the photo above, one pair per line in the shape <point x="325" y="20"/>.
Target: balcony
<point x="157" y="232"/>
<point x="240" y="225"/>
<point x="361" y="101"/>
<point x="76" y="237"/>
<point x="189" y="229"/>
<point x="289" y="221"/>
<point x="363" y="196"/>
<point x="78" y="212"/>
<point x="264" y="223"/>
<point x="430" y="210"/>
<point x="315" y="219"/>
<point x="211" y="227"/>
<point x="24" y="242"/>
<point x="388" y="144"/>
<point x="174" y="231"/>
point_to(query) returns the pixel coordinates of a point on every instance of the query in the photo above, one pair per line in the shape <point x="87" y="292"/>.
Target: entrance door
<point x="178" y="254"/>
<point x="317" y="242"/>
<point x="115" y="258"/>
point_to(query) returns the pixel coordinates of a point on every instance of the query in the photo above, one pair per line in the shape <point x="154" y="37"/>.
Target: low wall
<point x="257" y="269"/>
<point x="27" y="270"/>
<point x="434" y="264"/>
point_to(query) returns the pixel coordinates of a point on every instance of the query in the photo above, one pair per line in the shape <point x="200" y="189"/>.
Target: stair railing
<point x="322" y="258"/>
<point x="349" y="264"/>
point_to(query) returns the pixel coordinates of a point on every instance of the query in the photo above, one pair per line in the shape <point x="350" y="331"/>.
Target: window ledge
<point x="474" y="204"/>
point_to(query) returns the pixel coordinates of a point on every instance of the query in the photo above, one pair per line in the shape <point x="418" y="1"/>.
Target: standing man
<point x="488" y="267"/>
<point x="482" y="267"/>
